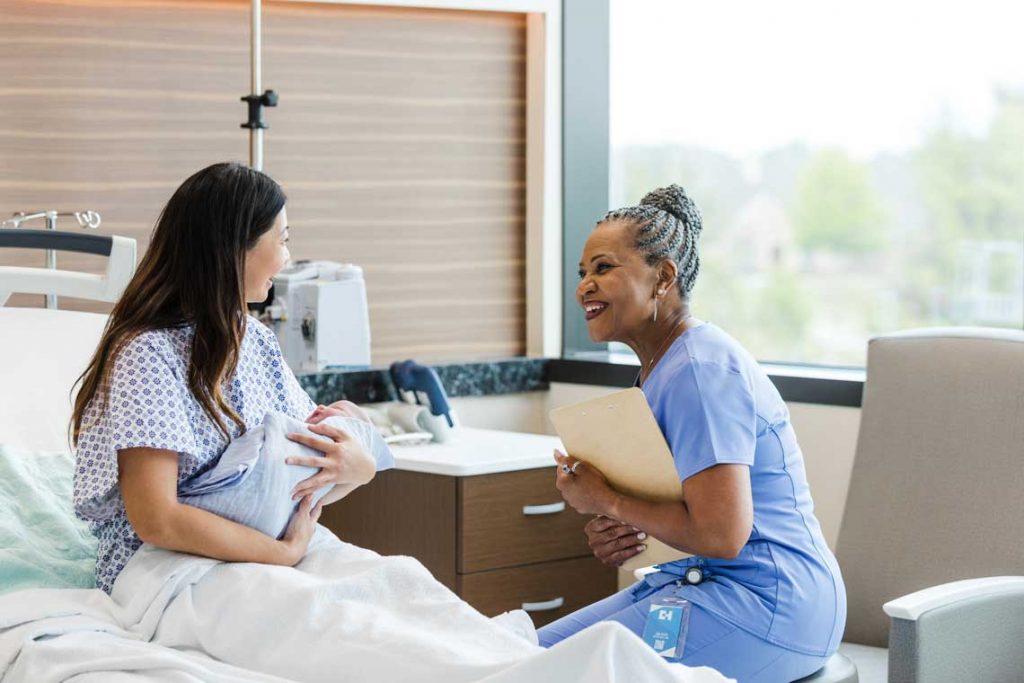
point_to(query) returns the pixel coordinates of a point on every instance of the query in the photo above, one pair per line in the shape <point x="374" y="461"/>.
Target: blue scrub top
<point x="716" y="405"/>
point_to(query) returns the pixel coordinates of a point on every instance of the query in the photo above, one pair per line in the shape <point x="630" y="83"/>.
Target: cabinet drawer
<point x="516" y="518"/>
<point x="548" y="590"/>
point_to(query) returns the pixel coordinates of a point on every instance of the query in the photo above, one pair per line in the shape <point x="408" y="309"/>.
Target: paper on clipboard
<point x="618" y="435"/>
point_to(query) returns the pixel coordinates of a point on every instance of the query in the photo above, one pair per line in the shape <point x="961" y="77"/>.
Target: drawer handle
<point x="549" y="509"/>
<point x="543" y="606"/>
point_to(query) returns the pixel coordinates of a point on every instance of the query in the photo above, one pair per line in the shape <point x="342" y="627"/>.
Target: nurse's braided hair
<point x="668" y="227"/>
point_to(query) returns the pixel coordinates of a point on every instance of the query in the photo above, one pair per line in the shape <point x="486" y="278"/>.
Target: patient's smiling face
<point x="266" y="259"/>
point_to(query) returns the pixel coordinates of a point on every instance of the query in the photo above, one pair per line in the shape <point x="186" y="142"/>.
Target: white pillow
<point x="251" y="484"/>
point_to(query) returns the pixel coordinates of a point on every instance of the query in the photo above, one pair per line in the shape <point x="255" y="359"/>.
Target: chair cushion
<point x="838" y="669"/>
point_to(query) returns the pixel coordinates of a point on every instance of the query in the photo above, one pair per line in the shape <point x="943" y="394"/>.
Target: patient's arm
<point x="148" y="478"/>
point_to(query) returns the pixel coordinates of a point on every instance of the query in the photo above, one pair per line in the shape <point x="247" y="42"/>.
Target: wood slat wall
<point x="400" y="141"/>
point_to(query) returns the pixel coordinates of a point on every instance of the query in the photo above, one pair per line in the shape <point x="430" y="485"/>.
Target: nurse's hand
<point x="613" y="542"/>
<point x="345" y="461"/>
<point x="583" y="486"/>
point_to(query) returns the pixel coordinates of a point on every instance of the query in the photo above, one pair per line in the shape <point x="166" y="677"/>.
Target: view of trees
<point x="809" y="252"/>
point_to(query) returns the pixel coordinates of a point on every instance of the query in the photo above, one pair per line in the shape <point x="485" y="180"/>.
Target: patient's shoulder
<point x="259" y="332"/>
<point x="171" y="346"/>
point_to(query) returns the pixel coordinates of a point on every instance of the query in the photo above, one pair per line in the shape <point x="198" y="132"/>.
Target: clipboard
<point x="619" y="436"/>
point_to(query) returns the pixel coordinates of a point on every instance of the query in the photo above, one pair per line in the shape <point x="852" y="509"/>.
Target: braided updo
<point x="668" y="227"/>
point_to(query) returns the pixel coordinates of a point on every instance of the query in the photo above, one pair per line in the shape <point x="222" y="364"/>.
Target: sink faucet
<point x="86" y="219"/>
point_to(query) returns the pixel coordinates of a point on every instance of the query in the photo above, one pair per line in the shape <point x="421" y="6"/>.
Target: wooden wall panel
<point x="110" y="105"/>
<point x="400" y="141"/>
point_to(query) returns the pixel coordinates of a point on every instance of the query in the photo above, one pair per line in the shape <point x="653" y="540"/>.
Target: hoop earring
<point x="655" y="318"/>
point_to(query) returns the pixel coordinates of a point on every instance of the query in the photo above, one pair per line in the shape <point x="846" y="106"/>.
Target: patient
<point x="181" y="371"/>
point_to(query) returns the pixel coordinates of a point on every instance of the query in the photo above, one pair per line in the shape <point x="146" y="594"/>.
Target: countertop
<point x="479" y="451"/>
<point x="802" y="384"/>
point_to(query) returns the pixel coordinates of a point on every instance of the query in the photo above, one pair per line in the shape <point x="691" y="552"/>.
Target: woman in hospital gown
<point x="181" y="370"/>
<point x="768" y="603"/>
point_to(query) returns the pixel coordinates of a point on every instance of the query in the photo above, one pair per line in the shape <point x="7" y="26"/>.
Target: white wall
<point x="525" y="412"/>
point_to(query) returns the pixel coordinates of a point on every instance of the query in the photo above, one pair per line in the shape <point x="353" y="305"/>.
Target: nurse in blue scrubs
<point x="768" y="602"/>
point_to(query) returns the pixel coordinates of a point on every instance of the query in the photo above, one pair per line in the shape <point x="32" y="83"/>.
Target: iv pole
<point x="256" y="102"/>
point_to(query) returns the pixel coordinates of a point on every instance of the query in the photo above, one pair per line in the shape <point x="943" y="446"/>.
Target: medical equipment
<point x="411" y="376"/>
<point x="409" y="416"/>
<point x="319" y="314"/>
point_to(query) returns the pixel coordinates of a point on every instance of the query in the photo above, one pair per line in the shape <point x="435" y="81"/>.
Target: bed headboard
<point x="43" y="351"/>
<point x="107" y="287"/>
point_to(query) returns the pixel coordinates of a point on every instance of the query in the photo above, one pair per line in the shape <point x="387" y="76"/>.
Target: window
<point x="860" y="166"/>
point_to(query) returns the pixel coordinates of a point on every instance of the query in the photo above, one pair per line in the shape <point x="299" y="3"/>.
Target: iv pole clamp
<point x="256" y="101"/>
<point x="256" y="104"/>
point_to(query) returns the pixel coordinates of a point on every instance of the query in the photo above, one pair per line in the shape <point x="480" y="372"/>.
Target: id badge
<point x="666" y="626"/>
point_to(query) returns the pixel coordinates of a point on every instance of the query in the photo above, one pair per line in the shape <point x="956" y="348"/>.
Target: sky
<point x="867" y="76"/>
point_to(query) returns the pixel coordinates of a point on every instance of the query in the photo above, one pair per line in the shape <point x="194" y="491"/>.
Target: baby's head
<point x="338" y="409"/>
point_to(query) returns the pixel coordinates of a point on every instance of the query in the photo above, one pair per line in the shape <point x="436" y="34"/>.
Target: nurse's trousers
<point x="710" y="641"/>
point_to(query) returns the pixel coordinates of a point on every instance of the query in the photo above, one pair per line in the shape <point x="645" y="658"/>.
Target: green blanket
<point x="42" y="543"/>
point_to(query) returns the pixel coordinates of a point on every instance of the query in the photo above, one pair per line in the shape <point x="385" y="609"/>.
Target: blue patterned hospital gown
<point x="150" y="405"/>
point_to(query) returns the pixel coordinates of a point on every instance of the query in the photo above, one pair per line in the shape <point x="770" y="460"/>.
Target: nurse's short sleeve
<point x="710" y="418"/>
<point x="146" y="404"/>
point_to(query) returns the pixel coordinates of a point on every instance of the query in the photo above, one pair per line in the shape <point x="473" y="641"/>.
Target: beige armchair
<point x="936" y="498"/>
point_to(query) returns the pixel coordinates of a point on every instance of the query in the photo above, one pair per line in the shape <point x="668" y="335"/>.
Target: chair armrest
<point x="959" y="631"/>
<point x="912" y="606"/>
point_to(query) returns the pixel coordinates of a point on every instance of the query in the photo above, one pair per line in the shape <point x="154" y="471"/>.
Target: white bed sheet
<point x="347" y="614"/>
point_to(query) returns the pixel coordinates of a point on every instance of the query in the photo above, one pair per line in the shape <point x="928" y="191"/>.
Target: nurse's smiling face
<point x="616" y="285"/>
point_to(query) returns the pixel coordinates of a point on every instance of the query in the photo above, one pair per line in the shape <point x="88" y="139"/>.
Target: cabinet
<point x="501" y="541"/>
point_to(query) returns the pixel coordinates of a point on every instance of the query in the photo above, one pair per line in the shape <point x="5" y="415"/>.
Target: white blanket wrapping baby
<point x="251" y="484"/>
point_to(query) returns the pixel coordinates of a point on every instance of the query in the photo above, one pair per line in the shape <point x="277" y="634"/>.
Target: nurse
<point x="768" y="601"/>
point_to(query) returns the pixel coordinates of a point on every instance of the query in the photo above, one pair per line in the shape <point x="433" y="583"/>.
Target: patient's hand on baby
<point x="343" y="408"/>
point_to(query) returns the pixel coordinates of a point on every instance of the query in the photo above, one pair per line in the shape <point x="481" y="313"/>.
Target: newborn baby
<point x="251" y="484"/>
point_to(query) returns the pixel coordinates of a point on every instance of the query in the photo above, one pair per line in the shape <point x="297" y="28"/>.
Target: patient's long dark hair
<point x="192" y="273"/>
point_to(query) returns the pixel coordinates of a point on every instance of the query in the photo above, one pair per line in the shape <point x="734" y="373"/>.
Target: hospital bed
<point x="176" y="617"/>
<point x="42" y="351"/>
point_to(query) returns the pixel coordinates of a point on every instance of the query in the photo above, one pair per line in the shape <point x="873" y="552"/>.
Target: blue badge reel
<point x="666" y="626"/>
